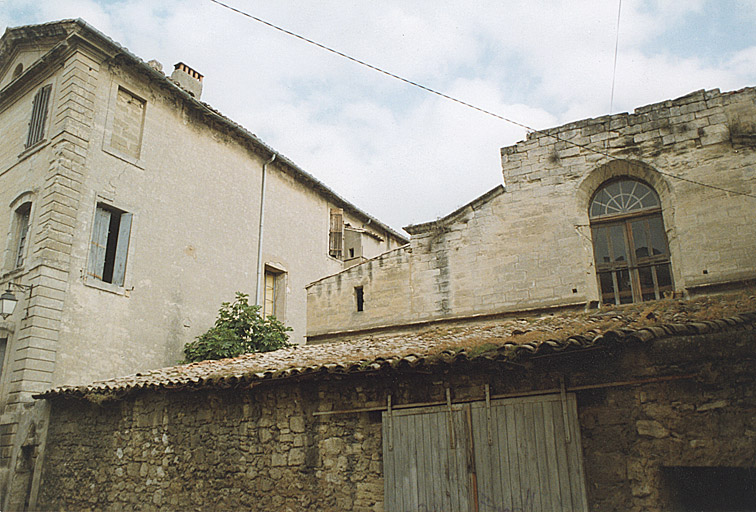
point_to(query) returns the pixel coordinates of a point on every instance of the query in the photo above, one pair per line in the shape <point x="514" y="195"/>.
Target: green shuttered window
<point x="109" y="245"/>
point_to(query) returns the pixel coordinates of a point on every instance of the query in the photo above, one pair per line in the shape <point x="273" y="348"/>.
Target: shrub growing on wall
<point x="239" y="329"/>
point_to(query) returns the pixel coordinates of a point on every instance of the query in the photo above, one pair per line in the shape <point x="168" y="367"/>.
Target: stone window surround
<point x="39" y="122"/>
<point x="93" y="282"/>
<point x="11" y="250"/>
<point x="106" y="147"/>
<point x="6" y="332"/>
<point x="633" y="169"/>
<point x="27" y="151"/>
<point x="280" y="276"/>
<point x="631" y="264"/>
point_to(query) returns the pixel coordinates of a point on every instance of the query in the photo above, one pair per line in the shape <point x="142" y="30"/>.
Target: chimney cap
<point x="180" y="66"/>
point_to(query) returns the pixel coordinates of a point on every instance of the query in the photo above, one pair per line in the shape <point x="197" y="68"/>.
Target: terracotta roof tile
<point x="503" y="340"/>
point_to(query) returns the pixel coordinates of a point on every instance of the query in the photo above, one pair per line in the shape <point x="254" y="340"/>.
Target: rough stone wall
<point x="259" y="449"/>
<point x="262" y="449"/>
<point x="630" y="434"/>
<point x="529" y="246"/>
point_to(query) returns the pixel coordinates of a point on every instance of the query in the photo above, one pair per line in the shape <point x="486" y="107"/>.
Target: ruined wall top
<point x="698" y="119"/>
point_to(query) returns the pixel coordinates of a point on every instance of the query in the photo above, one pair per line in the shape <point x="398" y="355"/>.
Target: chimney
<point x="188" y="79"/>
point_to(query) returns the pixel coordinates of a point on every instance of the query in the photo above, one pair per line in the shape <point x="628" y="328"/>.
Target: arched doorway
<point x="629" y="243"/>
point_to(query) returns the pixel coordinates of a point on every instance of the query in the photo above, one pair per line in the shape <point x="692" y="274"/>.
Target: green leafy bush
<point x="239" y="329"/>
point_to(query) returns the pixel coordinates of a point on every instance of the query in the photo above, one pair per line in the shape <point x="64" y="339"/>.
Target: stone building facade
<point x="130" y="210"/>
<point x="550" y="236"/>
<point x="649" y="406"/>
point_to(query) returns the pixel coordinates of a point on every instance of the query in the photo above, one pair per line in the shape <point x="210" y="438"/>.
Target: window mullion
<point x="632" y="261"/>
<point x="657" y="293"/>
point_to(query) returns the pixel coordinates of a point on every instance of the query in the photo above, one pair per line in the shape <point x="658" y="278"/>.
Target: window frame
<point x="359" y="298"/>
<point x="110" y="122"/>
<point x="336" y="233"/>
<point x="6" y="361"/>
<point x="21" y="202"/>
<point x="632" y="267"/>
<point x="21" y="230"/>
<point x="278" y="301"/>
<point x="38" y="120"/>
<point x="109" y="252"/>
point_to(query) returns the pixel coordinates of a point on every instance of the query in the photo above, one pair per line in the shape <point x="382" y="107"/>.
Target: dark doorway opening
<point x="707" y="489"/>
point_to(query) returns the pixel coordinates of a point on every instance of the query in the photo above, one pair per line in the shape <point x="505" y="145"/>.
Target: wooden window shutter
<point x="122" y="249"/>
<point x="99" y="243"/>
<point x="38" y="116"/>
<point x="336" y="233"/>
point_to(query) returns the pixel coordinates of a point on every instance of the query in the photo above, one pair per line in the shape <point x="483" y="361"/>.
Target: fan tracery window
<point x="629" y="242"/>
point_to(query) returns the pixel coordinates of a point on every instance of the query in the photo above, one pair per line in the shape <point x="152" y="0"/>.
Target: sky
<point x="402" y="154"/>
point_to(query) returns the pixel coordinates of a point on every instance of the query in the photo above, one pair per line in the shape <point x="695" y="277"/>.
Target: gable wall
<point x="26" y="56"/>
<point x="530" y="247"/>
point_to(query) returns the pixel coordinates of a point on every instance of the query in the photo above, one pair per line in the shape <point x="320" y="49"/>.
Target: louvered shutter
<point x="39" y="116"/>
<point x="336" y="234"/>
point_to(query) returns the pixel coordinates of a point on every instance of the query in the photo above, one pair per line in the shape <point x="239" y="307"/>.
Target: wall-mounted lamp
<point x="8" y="301"/>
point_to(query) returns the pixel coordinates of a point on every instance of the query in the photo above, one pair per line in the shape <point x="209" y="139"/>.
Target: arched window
<point x="629" y="242"/>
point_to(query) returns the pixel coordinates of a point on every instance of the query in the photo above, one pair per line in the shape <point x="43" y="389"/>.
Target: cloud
<point x="400" y="153"/>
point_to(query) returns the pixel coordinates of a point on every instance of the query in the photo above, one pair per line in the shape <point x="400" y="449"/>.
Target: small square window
<point x="109" y="245"/>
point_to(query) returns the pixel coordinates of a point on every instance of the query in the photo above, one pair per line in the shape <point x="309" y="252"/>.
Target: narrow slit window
<point x="109" y="245"/>
<point x="359" y="295"/>
<point x="38" y="116"/>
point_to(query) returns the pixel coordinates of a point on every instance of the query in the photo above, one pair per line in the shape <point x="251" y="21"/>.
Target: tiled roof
<point x="503" y="340"/>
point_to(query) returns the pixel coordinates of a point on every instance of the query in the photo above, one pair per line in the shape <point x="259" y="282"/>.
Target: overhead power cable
<point x="616" y="47"/>
<point x="457" y="100"/>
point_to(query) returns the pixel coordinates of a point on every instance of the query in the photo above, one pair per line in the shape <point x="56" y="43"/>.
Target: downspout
<point x="260" y="231"/>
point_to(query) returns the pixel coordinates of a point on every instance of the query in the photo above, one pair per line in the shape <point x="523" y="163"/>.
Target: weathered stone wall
<point x="529" y="246"/>
<point x="631" y="434"/>
<point x="704" y="137"/>
<point x="259" y="449"/>
<point x="262" y="449"/>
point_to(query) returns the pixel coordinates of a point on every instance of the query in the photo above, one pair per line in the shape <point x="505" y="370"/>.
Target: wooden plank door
<point x="518" y="454"/>
<point x="532" y="459"/>
<point x="426" y="464"/>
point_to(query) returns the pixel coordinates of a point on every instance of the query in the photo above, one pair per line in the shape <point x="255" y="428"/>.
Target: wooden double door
<point x="520" y="454"/>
